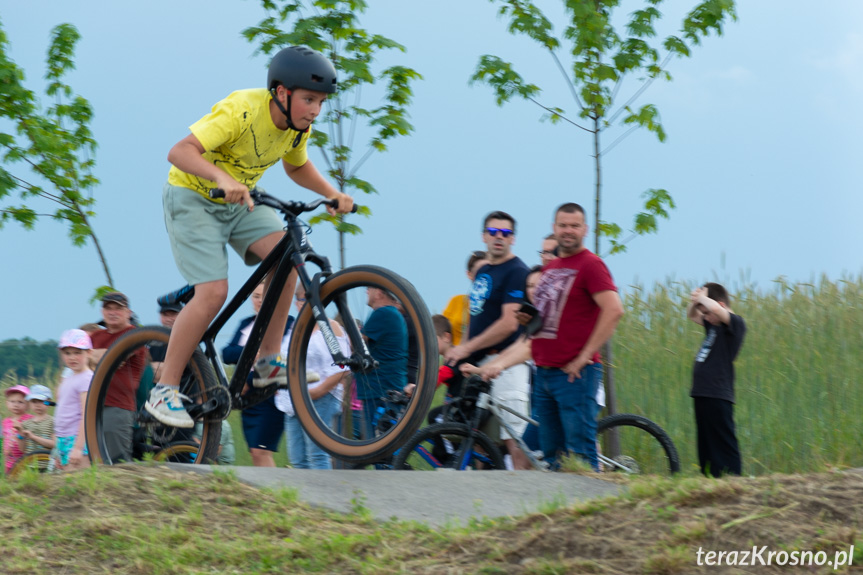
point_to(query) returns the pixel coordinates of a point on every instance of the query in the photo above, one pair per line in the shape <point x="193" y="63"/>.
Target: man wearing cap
<point x="119" y="415"/>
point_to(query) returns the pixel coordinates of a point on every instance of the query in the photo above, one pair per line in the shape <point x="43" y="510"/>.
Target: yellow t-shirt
<point x="456" y="312"/>
<point x="239" y="136"/>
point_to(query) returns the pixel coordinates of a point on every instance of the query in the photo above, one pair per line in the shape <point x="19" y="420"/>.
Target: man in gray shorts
<point x="230" y="148"/>
<point x="118" y="416"/>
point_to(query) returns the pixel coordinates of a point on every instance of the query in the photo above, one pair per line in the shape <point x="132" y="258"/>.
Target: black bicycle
<point x="628" y="443"/>
<point x="211" y="395"/>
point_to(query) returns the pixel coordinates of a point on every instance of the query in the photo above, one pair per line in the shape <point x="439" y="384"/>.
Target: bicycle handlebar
<point x="296" y="208"/>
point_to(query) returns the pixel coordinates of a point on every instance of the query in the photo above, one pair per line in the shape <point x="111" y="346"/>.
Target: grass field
<point x="147" y="519"/>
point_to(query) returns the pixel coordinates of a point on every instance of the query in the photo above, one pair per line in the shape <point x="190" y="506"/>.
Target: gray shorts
<point x="200" y="229"/>
<point x="117" y="428"/>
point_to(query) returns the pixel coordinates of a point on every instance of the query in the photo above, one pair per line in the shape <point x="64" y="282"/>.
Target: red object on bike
<point x="444" y="374"/>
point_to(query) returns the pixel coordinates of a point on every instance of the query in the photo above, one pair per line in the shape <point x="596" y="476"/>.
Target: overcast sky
<point x="762" y="156"/>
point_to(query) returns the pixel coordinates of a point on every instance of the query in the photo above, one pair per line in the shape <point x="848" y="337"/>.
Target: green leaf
<point x="501" y="77"/>
<point x="609" y="230"/>
<point x="647" y="117"/>
<point x="657" y="204"/>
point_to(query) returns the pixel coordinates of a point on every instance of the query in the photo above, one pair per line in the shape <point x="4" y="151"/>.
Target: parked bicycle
<point x="42" y="460"/>
<point x="211" y="395"/>
<point x="458" y="443"/>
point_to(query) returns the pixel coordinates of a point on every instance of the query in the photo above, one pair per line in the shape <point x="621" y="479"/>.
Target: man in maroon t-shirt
<point x="580" y="309"/>
<point x="118" y="417"/>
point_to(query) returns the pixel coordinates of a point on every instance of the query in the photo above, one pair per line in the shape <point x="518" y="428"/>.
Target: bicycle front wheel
<point x="198" y="383"/>
<point x="645" y="448"/>
<point x="345" y="294"/>
<point x="448" y="445"/>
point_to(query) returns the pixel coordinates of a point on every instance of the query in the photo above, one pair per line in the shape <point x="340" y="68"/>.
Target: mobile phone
<point x="528" y="309"/>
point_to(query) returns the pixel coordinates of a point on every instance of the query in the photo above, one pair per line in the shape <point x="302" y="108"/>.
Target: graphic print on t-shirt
<point x="707" y="344"/>
<point x="551" y="296"/>
<point x="479" y="292"/>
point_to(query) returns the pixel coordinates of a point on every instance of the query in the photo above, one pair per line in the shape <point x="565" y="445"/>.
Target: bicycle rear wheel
<point x="199" y="383"/>
<point x="345" y="293"/>
<point x="645" y="448"/>
<point x="40" y="460"/>
<point x="441" y="445"/>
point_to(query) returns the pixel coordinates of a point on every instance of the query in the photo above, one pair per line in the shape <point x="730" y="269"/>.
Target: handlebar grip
<point x="335" y="204"/>
<point x="217" y="193"/>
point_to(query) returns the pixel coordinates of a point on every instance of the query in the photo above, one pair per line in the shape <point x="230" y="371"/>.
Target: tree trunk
<point x="613" y="445"/>
<point x="342" y="250"/>
<point x="98" y="246"/>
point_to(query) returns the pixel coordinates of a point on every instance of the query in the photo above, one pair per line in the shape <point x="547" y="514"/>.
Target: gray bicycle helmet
<point x="302" y="67"/>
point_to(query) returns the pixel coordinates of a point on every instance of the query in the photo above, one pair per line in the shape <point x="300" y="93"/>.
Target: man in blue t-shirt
<point x="386" y="334"/>
<point x="495" y="296"/>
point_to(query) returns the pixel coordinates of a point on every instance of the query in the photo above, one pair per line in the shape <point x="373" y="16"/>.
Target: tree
<point x="332" y="28"/>
<point x="56" y="146"/>
<point x="602" y="59"/>
<point x="28" y="358"/>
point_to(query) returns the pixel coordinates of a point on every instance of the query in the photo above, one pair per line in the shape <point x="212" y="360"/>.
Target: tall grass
<point x="799" y="402"/>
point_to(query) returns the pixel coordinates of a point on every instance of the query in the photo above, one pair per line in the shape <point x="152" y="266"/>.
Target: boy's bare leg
<point x="165" y="404"/>
<point x="190" y="326"/>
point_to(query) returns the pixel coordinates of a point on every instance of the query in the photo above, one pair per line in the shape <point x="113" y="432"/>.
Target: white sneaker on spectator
<point x="272" y="369"/>
<point x="269" y="370"/>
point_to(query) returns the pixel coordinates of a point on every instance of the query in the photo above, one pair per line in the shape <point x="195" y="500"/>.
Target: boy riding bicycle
<point x="230" y="148"/>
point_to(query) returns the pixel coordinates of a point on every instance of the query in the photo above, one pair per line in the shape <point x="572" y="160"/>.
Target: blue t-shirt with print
<point x="494" y="286"/>
<point x="388" y="343"/>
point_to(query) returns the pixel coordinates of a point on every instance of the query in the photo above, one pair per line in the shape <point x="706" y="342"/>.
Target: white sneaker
<point x="166" y="405"/>
<point x="269" y="370"/>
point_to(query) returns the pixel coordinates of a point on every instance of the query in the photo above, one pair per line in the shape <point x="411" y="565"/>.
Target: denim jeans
<point x="372" y="412"/>
<point x="567" y="413"/>
<point x="302" y="451"/>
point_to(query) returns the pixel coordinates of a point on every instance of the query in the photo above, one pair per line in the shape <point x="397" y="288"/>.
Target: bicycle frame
<point x="291" y="253"/>
<point x="486" y="401"/>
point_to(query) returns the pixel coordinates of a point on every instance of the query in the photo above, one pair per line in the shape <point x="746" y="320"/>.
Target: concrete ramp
<point x="433" y="497"/>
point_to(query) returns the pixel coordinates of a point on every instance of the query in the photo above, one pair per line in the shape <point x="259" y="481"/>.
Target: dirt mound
<point x="149" y="519"/>
<point x="660" y="526"/>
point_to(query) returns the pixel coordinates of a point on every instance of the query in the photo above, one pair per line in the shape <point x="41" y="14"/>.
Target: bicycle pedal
<point x="144" y="418"/>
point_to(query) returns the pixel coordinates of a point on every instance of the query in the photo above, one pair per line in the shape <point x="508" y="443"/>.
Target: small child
<point x="448" y="375"/>
<point x="713" y="379"/>
<point x="16" y="405"/>
<point x="37" y="432"/>
<point x="71" y="449"/>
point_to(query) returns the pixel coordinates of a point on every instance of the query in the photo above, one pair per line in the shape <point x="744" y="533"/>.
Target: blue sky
<point x="761" y="157"/>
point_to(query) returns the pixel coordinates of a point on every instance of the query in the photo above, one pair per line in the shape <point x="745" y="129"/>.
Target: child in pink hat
<point x="71" y="449"/>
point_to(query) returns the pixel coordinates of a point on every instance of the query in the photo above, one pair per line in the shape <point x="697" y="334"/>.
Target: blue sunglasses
<point x="494" y="231"/>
